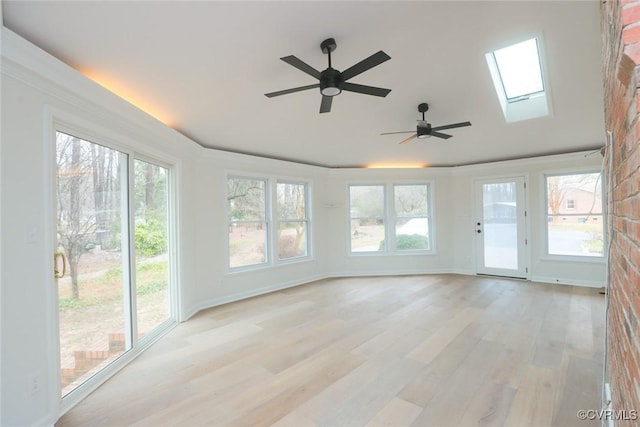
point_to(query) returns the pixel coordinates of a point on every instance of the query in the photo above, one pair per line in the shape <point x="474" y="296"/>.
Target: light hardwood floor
<point x="441" y="350"/>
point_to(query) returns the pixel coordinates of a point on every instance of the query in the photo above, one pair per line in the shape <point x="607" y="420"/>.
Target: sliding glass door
<point x="111" y="260"/>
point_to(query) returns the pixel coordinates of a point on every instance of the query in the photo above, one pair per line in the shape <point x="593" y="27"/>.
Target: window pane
<point x="291" y="206"/>
<point x="92" y="230"/>
<point x="247" y="243"/>
<point x="367" y="218"/>
<point x="574" y="215"/>
<point x="577" y="236"/>
<point x="500" y="225"/>
<point x="367" y="235"/>
<point x="412" y="234"/>
<point x="519" y="67"/>
<point x="246" y="199"/>
<point x="151" y="238"/>
<point x="292" y="239"/>
<point x="579" y="193"/>
<point x="410" y="200"/>
<point x="291" y="201"/>
<point x="367" y="201"/>
<point x="412" y="222"/>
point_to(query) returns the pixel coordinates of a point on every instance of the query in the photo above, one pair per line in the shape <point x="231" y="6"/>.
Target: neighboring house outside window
<point x="575" y="215"/>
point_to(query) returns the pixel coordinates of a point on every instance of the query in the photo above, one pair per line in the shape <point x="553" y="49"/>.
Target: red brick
<point x="631" y="14"/>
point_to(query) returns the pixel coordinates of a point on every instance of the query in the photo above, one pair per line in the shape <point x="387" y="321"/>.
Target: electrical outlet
<point x="34" y="383"/>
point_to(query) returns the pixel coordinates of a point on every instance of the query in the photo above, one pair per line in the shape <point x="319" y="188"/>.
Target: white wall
<point x="37" y="88"/>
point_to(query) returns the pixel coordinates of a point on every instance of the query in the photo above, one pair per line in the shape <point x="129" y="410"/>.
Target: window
<point x="574" y="215"/>
<point x="517" y="74"/>
<point x="248" y="226"/>
<point x="405" y="206"/>
<point x="367" y="207"/>
<point x="293" y="223"/>
<point x="411" y="204"/>
<point x="250" y="214"/>
<point x="519" y="70"/>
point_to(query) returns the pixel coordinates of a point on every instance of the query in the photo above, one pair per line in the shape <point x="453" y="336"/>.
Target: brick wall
<point x="620" y="24"/>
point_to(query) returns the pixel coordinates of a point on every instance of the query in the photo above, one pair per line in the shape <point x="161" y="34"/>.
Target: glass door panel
<point x="500" y="227"/>
<point x="151" y="244"/>
<point x="93" y="241"/>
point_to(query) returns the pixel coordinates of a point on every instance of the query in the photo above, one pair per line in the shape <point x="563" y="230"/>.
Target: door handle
<point x="57" y="273"/>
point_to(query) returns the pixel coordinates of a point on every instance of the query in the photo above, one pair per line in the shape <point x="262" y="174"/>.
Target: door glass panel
<point x="92" y="233"/>
<point x="500" y="227"/>
<point x="151" y="244"/>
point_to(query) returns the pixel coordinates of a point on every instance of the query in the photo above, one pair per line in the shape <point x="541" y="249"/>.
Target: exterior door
<point x="500" y="227"/>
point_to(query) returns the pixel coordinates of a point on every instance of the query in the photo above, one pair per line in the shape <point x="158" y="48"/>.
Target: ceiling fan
<point x="331" y="81"/>
<point x="425" y="130"/>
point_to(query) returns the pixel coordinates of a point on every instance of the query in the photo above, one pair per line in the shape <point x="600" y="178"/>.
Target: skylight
<point x="519" y="69"/>
<point x="518" y="74"/>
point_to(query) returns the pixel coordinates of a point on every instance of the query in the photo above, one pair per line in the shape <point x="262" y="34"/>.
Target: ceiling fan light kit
<point x="333" y="82"/>
<point x="425" y="130"/>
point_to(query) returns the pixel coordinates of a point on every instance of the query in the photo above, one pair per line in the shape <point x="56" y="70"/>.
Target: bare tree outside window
<point x="292" y="220"/>
<point x="246" y="211"/>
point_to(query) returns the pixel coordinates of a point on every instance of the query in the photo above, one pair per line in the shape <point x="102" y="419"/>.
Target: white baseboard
<point x="570" y="282"/>
<point x="370" y="273"/>
<point x="213" y="302"/>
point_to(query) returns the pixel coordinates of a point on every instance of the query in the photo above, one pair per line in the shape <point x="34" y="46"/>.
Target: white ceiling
<point x="204" y="67"/>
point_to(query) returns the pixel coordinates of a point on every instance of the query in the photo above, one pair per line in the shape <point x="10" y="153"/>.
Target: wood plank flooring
<point x="433" y="351"/>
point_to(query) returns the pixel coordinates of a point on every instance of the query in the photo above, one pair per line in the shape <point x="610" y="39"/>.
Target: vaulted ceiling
<point x="203" y="68"/>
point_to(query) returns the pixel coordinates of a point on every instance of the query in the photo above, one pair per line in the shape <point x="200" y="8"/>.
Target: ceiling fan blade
<point x="394" y="133"/>
<point x="362" y="66"/>
<point x="404" y="141"/>
<point x="367" y="90"/>
<point x="325" y="105"/>
<point x="302" y="66"/>
<point x="455" y="125"/>
<point x="295" y="89"/>
<point x="440" y="135"/>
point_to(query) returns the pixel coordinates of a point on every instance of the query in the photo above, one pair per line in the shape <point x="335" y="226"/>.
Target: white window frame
<point x="389" y="219"/>
<point x="545" y="217"/>
<point x="271" y="221"/>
